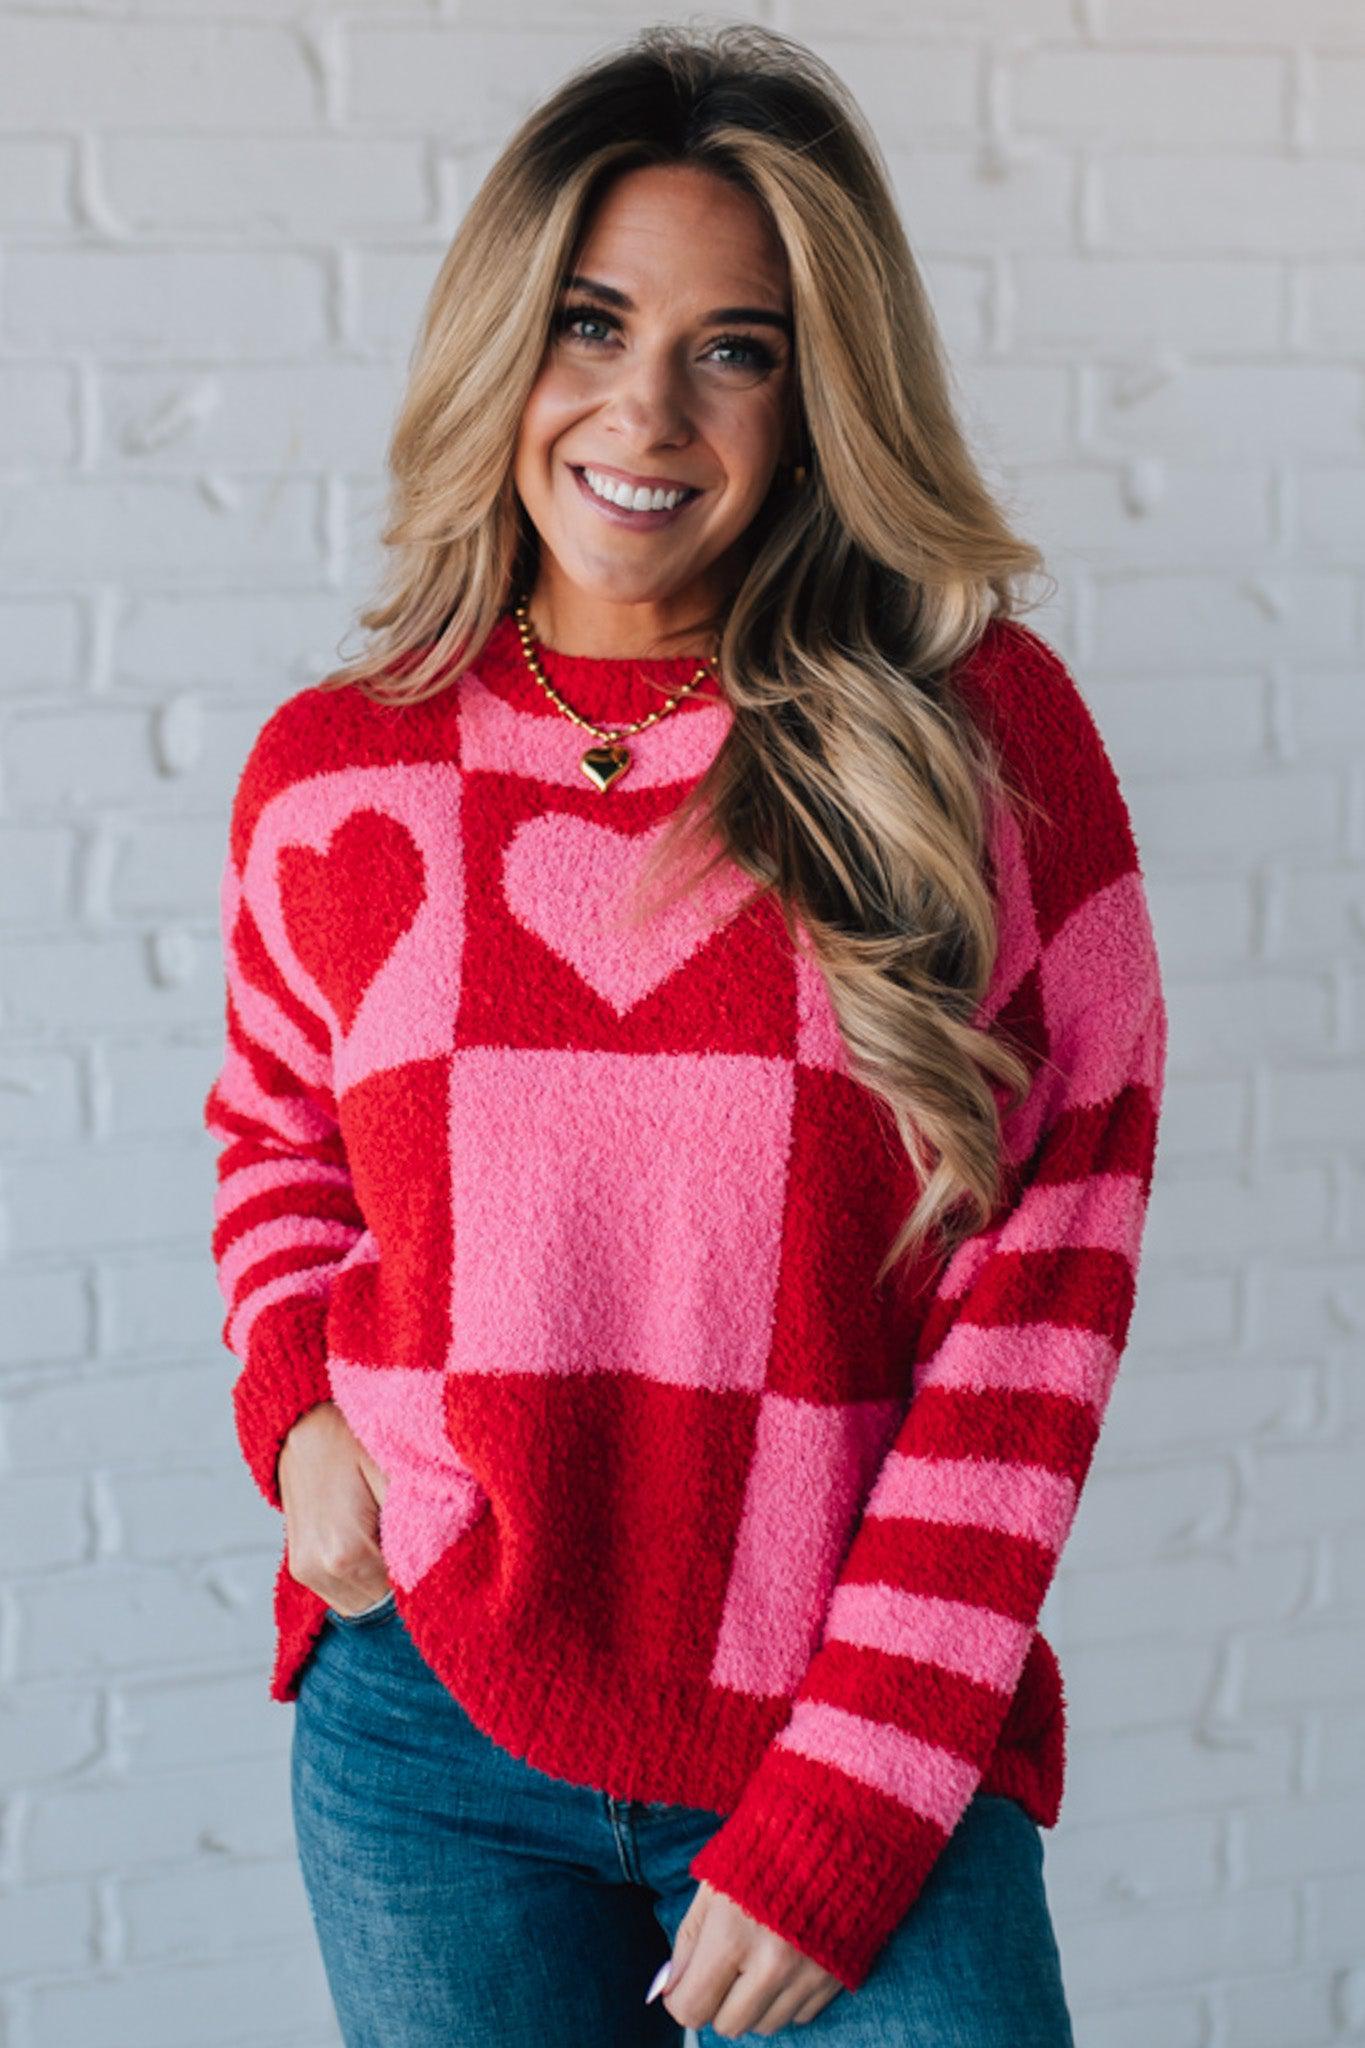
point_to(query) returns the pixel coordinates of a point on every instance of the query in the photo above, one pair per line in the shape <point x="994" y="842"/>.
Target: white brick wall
<point x="1143" y="223"/>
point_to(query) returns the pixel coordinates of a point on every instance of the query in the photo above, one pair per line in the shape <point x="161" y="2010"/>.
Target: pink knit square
<point x="617" y="1212"/>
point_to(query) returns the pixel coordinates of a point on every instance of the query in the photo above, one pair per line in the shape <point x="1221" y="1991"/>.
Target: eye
<point x="746" y="356"/>
<point x="759" y="357"/>
<point x="573" y="316"/>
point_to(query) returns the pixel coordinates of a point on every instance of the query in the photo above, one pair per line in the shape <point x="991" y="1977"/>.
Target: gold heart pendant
<point x="602" y="765"/>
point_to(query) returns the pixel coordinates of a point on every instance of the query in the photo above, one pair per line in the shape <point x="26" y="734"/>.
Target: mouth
<point x="622" y="515"/>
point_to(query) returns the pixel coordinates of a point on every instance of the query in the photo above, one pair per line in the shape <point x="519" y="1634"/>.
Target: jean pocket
<point x="376" y="1612"/>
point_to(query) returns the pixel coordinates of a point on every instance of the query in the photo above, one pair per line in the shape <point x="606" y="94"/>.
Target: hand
<point x="332" y="1492"/>
<point x="736" y="1976"/>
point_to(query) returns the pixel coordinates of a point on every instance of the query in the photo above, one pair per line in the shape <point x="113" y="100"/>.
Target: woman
<point x="690" y="989"/>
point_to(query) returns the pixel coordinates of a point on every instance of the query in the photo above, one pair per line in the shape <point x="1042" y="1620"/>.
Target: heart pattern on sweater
<point x="346" y="908"/>
<point x="566" y="879"/>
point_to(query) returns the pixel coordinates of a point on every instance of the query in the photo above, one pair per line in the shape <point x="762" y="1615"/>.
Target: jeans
<point x="463" y="1898"/>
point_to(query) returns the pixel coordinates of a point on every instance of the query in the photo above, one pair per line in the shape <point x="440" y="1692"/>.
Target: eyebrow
<point x="758" y="316"/>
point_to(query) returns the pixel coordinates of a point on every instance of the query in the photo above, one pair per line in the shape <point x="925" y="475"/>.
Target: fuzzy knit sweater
<point x="580" y="1227"/>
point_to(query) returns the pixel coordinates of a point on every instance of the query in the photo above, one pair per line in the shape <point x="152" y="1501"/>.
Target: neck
<point x="568" y="622"/>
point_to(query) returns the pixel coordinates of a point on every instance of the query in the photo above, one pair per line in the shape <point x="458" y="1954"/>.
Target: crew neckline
<point x="609" y="689"/>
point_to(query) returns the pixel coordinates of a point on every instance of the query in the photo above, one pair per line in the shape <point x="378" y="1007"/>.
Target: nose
<point x="649" y="405"/>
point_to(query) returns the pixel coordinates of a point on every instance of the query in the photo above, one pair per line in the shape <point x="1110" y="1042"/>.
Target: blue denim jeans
<point x="462" y="1898"/>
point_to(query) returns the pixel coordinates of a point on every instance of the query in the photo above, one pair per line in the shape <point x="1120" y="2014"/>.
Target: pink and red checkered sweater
<point x="580" y="1230"/>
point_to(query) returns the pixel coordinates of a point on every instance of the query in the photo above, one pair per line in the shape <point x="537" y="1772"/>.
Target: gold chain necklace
<point x="603" y="764"/>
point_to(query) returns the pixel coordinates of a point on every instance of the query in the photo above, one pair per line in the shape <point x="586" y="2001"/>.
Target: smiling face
<point x="669" y="365"/>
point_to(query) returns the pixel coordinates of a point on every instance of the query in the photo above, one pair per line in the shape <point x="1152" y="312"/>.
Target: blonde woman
<point x="694" y="1051"/>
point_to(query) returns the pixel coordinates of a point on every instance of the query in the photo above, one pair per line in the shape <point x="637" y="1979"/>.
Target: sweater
<point x="580" y="1230"/>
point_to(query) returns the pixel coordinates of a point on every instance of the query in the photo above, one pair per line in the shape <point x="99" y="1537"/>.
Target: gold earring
<point x="798" y="472"/>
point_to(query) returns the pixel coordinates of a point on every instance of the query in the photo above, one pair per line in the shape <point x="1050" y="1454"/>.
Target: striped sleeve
<point x="285" y="1211"/>
<point x="897" y="1716"/>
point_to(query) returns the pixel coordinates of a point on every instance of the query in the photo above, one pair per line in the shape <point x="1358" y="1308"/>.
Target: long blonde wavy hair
<point x="852" y="783"/>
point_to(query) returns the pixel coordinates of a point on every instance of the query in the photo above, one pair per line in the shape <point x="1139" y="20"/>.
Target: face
<point x="669" y="366"/>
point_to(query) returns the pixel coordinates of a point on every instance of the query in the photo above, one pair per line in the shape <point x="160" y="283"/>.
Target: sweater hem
<point x="673" y="1741"/>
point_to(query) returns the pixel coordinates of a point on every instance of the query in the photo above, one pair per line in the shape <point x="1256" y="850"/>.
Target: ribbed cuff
<point x="285" y="1375"/>
<point x="823" y="1879"/>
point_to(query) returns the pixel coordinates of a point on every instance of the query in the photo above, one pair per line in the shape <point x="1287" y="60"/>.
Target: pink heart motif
<point x="566" y="879"/>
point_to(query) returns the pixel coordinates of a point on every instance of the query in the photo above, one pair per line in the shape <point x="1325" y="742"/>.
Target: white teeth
<point x="635" y="498"/>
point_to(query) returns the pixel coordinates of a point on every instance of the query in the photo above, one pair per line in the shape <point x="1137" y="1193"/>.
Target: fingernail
<point x="660" y="1979"/>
